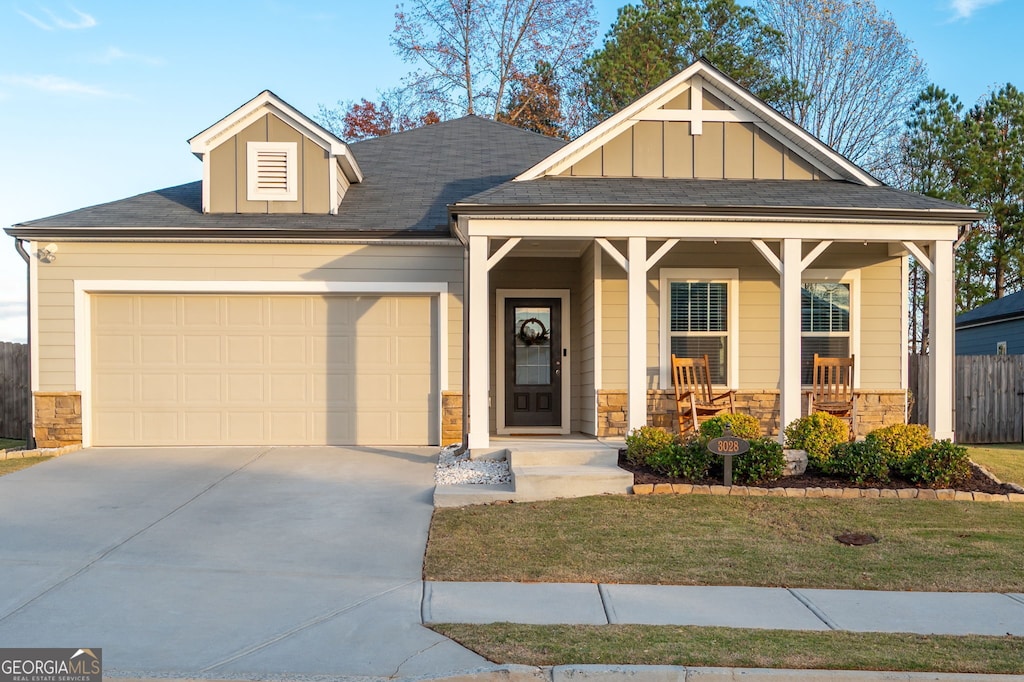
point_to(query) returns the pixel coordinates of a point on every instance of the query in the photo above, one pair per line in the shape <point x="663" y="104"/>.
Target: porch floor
<point x="544" y="468"/>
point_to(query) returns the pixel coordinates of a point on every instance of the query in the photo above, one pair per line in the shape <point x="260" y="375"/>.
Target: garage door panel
<point x="254" y="369"/>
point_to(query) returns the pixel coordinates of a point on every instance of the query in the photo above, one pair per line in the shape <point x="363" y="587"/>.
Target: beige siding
<point x="648" y="149"/>
<point x="709" y="152"/>
<point x="739" y="151"/>
<point x="618" y="156"/>
<point x="231" y="262"/>
<point x="228" y="172"/>
<point x="678" y="157"/>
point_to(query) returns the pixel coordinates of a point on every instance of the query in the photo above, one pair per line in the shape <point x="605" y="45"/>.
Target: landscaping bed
<point x="978" y="481"/>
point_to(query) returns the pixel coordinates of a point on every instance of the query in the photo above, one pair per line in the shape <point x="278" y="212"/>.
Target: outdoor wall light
<point x="47" y="254"/>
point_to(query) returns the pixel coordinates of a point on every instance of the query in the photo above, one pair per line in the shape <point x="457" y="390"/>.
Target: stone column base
<point x="58" y="418"/>
<point x="451" y="417"/>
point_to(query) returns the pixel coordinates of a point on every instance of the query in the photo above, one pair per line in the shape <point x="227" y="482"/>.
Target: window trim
<point x="851" y="277"/>
<point x="729" y="276"/>
<point x="252" y="151"/>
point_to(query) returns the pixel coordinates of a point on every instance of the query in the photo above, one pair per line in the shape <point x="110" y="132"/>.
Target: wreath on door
<point x="532" y="332"/>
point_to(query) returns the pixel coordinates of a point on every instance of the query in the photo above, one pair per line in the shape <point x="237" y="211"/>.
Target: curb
<point x="655" y="673"/>
<point x="843" y="493"/>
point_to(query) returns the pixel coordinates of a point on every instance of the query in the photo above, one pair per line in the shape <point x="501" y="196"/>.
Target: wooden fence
<point x="989" y="397"/>
<point x="14" y="382"/>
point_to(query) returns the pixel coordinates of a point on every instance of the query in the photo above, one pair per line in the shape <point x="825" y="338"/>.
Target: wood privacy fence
<point x="14" y="401"/>
<point x="989" y="400"/>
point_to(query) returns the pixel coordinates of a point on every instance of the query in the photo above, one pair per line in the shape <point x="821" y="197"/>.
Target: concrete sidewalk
<point x="938" y="613"/>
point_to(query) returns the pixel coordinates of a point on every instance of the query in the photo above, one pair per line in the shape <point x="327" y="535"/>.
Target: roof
<point x="409" y="179"/>
<point x="1004" y="308"/>
<point x="788" y="197"/>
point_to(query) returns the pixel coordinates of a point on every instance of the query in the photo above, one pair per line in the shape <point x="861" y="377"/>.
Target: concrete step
<point x="472" y="493"/>
<point x="599" y="456"/>
<point x="533" y="483"/>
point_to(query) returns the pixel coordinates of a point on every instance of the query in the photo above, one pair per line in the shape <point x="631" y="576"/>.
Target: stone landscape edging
<point x="814" y="492"/>
<point x="39" y="452"/>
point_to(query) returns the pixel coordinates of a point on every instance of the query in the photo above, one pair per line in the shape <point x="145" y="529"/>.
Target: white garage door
<point x="203" y="369"/>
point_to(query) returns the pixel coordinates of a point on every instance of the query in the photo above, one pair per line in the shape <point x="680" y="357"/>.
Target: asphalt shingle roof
<point x="1007" y="306"/>
<point x="631" y="193"/>
<point x="409" y="180"/>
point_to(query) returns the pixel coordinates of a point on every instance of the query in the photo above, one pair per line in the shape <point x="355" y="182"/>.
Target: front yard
<point x="1005" y="460"/>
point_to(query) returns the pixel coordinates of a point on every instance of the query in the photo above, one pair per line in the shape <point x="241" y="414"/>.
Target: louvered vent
<point x="272" y="171"/>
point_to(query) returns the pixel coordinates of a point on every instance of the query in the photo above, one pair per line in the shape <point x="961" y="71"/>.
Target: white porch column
<point x="940" y="341"/>
<point x="477" y="344"/>
<point x="637" y="339"/>
<point x="789" y="352"/>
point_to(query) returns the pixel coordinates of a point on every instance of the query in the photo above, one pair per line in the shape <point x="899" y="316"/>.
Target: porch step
<point x="547" y="482"/>
<point x="472" y="493"/>
<point x="565" y="457"/>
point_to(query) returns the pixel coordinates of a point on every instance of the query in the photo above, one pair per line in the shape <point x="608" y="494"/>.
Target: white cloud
<point x="79" y="21"/>
<point x="56" y="84"/>
<point x="963" y="9"/>
<point x="116" y="54"/>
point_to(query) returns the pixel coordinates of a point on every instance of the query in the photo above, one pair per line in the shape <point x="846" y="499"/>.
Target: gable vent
<point x="272" y="170"/>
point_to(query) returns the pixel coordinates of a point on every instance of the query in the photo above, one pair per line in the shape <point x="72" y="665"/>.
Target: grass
<point x="9" y="466"/>
<point x="1005" y="461"/>
<point x="706" y="646"/>
<point x="704" y="540"/>
<point x="11" y="443"/>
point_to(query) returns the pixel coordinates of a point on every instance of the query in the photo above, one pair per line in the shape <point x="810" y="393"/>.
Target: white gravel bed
<point x="455" y="469"/>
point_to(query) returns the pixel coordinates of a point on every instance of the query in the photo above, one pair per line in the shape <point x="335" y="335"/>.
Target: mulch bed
<point x="978" y="482"/>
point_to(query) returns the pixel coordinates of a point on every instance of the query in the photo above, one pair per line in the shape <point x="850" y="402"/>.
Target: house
<point x="996" y="328"/>
<point x="469" y="279"/>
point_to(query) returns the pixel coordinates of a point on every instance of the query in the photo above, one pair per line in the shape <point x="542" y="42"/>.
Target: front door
<point x="533" y="362"/>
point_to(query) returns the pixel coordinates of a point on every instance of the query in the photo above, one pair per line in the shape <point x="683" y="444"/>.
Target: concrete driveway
<point x="225" y="562"/>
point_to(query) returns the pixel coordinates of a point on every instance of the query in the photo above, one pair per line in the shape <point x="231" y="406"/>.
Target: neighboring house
<point x="996" y="328"/>
<point x="470" y="279"/>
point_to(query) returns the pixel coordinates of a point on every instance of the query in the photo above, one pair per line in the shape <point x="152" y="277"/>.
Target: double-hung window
<point x="699" y="318"/>
<point x="824" y="323"/>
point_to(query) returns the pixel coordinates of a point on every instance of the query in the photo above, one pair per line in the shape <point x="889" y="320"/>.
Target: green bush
<point x="899" y="441"/>
<point x="643" y="443"/>
<point x="765" y="462"/>
<point x="817" y="434"/>
<point x="743" y="426"/>
<point x="861" y="462"/>
<point x="689" y="461"/>
<point x="939" y="465"/>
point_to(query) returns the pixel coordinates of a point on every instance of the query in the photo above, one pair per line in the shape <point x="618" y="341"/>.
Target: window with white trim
<point x="824" y="324"/>
<point x="698" y="323"/>
<point x="272" y="171"/>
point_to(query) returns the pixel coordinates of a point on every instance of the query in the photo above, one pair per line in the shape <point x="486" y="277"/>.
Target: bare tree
<point x="469" y="52"/>
<point x="861" y="76"/>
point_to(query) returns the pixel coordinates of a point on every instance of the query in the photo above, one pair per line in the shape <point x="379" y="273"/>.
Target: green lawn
<point x="9" y="466"/>
<point x="704" y="646"/>
<point x="11" y="443"/>
<point x="705" y="540"/>
<point x="1004" y="460"/>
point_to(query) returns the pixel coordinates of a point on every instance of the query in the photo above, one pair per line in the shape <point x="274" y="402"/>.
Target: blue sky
<point x="98" y="98"/>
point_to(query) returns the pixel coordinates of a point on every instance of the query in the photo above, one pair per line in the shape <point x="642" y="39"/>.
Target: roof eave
<point x="219" y="233"/>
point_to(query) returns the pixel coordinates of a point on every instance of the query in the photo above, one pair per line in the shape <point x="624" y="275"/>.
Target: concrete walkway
<point x="925" y="613"/>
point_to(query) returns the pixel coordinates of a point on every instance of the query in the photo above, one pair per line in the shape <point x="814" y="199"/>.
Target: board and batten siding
<point x="228" y="171"/>
<point x="880" y="312"/>
<point x="231" y="262"/>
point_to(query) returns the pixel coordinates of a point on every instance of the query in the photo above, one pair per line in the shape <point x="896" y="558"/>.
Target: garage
<point x="247" y="369"/>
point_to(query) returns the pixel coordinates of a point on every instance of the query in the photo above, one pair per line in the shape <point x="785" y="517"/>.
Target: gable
<point x="699" y="124"/>
<point x="267" y="157"/>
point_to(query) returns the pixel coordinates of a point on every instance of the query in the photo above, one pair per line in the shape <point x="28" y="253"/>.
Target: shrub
<point x="765" y="462"/>
<point x="939" y="465"/>
<point x="742" y="425"/>
<point x="689" y="460"/>
<point x="899" y="441"/>
<point x="643" y="443"/>
<point x="861" y="462"/>
<point x="817" y="434"/>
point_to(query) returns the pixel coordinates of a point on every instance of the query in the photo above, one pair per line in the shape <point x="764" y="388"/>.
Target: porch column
<point x="477" y="343"/>
<point x="637" y="336"/>
<point x="940" y="341"/>
<point x="789" y="352"/>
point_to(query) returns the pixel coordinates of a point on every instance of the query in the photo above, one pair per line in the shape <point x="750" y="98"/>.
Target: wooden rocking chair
<point x="694" y="400"/>
<point x="832" y="390"/>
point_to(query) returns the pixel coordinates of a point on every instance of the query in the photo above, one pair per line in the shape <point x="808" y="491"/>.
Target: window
<point x="824" y="323"/>
<point x="272" y="171"/>
<point x="699" y="316"/>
